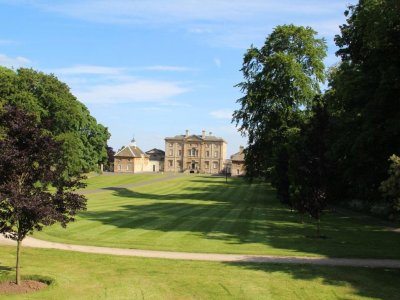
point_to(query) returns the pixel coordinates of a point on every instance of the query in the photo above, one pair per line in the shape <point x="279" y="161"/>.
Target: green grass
<point x="204" y="214"/>
<point x="115" y="179"/>
<point x="90" y="276"/>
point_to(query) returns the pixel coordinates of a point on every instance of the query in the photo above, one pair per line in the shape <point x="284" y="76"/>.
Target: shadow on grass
<point x="238" y="214"/>
<point x="373" y="283"/>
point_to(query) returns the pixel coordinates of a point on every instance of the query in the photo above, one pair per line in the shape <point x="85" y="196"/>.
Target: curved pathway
<point x="240" y="258"/>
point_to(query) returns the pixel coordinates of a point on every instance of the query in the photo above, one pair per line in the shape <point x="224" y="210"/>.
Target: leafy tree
<point x="310" y="166"/>
<point x="67" y="119"/>
<point x="365" y="93"/>
<point x="33" y="191"/>
<point x="390" y="187"/>
<point x="281" y="79"/>
<point x="109" y="162"/>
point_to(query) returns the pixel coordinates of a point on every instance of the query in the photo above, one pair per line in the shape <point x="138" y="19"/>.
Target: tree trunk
<point x="17" y="267"/>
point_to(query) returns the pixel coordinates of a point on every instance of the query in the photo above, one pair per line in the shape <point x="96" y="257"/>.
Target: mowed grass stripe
<point x="205" y="214"/>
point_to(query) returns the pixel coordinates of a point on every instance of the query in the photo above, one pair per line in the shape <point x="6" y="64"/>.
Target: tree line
<point x="333" y="146"/>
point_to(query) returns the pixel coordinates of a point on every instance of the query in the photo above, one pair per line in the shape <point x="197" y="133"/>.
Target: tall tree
<point x="365" y="94"/>
<point x="281" y="79"/>
<point x="309" y="166"/>
<point x="67" y="119"/>
<point x="31" y="162"/>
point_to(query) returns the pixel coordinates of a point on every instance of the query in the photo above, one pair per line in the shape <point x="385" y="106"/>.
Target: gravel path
<point x="240" y="258"/>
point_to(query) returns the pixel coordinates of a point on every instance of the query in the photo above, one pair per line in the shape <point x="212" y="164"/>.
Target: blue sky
<point x="152" y="69"/>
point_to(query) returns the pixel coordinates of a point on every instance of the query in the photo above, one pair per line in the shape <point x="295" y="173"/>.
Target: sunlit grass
<point x="204" y="214"/>
<point x="92" y="276"/>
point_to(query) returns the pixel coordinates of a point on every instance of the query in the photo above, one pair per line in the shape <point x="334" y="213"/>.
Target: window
<point x="128" y="167"/>
<point x="179" y="152"/>
<point x="170" y="163"/>
<point x="170" y="144"/>
<point x="171" y="152"/>
<point x="207" y="165"/>
<point x="193" y="152"/>
<point x="216" y="154"/>
<point x="207" y="145"/>
<point x="215" y="165"/>
<point x="119" y="167"/>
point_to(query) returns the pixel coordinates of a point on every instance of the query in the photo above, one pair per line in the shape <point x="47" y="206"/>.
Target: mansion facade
<point x="203" y="153"/>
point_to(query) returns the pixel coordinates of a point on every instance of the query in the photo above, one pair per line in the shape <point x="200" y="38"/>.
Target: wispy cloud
<point x="222" y="114"/>
<point x="6" y="42"/>
<point x="88" y="69"/>
<point x="15" y="62"/>
<point x="167" y="68"/>
<point x="136" y="91"/>
<point x="221" y="23"/>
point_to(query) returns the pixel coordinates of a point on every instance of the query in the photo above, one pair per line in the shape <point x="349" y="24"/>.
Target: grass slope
<point x="89" y="276"/>
<point x="115" y="179"/>
<point x="204" y="214"/>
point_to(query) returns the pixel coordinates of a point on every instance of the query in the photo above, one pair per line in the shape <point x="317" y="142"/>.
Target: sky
<point x="153" y="69"/>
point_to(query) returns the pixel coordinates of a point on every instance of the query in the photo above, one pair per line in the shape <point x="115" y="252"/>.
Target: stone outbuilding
<point x="237" y="164"/>
<point x="131" y="159"/>
<point x="156" y="160"/>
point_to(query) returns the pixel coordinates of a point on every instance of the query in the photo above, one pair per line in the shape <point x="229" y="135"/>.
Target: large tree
<point x="54" y="106"/>
<point x="33" y="189"/>
<point x="365" y="97"/>
<point x="281" y="79"/>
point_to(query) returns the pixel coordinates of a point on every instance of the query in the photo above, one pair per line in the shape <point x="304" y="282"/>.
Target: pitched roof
<point x="239" y="156"/>
<point x="130" y="151"/>
<point x="195" y="137"/>
<point x="155" y="151"/>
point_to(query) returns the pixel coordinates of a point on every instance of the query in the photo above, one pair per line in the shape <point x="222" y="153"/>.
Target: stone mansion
<point x="189" y="153"/>
<point x="203" y="153"/>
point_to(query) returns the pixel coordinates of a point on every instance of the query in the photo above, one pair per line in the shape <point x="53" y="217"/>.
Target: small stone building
<point x="237" y="164"/>
<point x="131" y="159"/>
<point x="156" y="160"/>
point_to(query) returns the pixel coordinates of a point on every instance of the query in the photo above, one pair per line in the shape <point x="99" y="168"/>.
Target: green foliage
<point x="57" y="110"/>
<point x="390" y="187"/>
<point x="31" y="162"/>
<point x="281" y="79"/>
<point x="364" y="98"/>
<point x="309" y="164"/>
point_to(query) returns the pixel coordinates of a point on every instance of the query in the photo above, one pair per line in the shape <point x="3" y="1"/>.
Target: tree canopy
<point x="58" y="111"/>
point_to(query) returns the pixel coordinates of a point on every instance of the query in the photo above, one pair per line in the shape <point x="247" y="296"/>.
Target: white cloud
<point x="15" y="62"/>
<point x="136" y="91"/>
<point x="217" y="62"/>
<point x="222" y="114"/>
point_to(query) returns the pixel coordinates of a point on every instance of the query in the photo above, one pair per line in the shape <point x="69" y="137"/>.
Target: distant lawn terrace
<point x="195" y="213"/>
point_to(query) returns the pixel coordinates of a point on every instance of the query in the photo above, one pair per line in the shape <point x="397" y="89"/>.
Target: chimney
<point x="241" y="148"/>
<point x="187" y="133"/>
<point x="210" y="133"/>
<point x="203" y="134"/>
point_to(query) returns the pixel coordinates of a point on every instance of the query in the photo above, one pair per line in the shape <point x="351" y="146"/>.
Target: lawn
<point x="91" y="276"/>
<point x="204" y="214"/>
<point x="114" y="179"/>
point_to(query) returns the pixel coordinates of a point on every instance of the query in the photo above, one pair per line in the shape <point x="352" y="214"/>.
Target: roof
<point x="130" y="151"/>
<point x="239" y="156"/>
<point x="155" y="151"/>
<point x="195" y="137"/>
